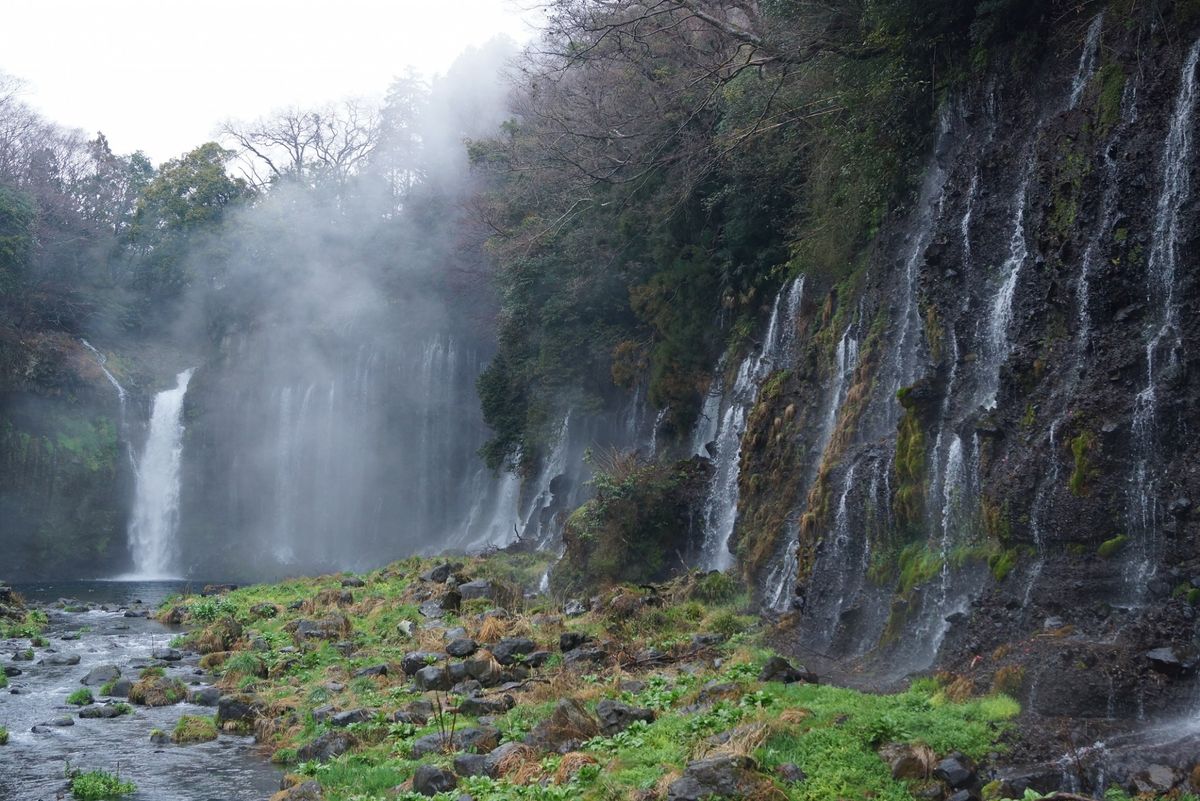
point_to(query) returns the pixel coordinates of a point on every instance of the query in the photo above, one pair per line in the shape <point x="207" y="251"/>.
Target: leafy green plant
<point x="81" y="697"/>
<point x="98" y="785"/>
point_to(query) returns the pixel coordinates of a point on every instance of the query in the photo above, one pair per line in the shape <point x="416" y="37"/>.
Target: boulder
<point x="462" y="647"/>
<point x="432" y="677"/>
<point x="567" y="728"/>
<point x="264" y="611"/>
<point x="415" y="660"/>
<point x="330" y="629"/>
<point x="218" y="589"/>
<point x="239" y="710"/>
<point x="353" y="581"/>
<point x="538" y="659"/>
<point x="1173" y="662"/>
<point x="1156" y="780"/>
<point x="100" y="711"/>
<point x="480" y="588"/>
<point x="60" y="660"/>
<point x="509" y="649"/>
<point x="326" y="747"/>
<point x="121" y="688"/>
<point x="586" y="656"/>
<point x="616" y="716"/>
<point x="570" y="640"/>
<point x="167" y="654"/>
<point x="908" y="762"/>
<point x="352" y="716"/>
<point x="157" y="691"/>
<point x="102" y="674"/>
<point x="373" y="670"/>
<point x="476" y="707"/>
<point x="432" y="609"/>
<point x="494" y="764"/>
<point x="574" y="608"/>
<point x="480" y="740"/>
<point x="483" y="668"/>
<point x="779" y="669"/>
<point x="441" y="573"/>
<point x="305" y="791"/>
<point x="430" y="780"/>
<point x="470" y="764"/>
<point x="718" y="777"/>
<point x="204" y="696"/>
<point x="956" y="770"/>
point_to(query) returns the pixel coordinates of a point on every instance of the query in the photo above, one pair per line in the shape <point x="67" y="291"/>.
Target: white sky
<point x="161" y="75"/>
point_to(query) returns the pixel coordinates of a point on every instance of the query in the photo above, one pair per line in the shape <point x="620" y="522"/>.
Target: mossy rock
<point x="194" y="729"/>
<point x="157" y="691"/>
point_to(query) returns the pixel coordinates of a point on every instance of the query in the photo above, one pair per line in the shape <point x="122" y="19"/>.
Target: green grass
<point x="194" y="729"/>
<point x="98" y="784"/>
<point x="3" y="736"/>
<point x="1112" y="546"/>
<point x="3" y="681"/>
<point x="81" y="697"/>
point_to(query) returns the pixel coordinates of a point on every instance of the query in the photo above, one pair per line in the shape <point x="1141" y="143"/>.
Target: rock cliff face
<point x="982" y="433"/>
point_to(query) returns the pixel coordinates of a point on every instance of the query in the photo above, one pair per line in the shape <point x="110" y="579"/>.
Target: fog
<point x="341" y="320"/>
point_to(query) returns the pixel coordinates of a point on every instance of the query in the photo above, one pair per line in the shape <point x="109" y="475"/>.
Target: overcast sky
<point x="160" y="75"/>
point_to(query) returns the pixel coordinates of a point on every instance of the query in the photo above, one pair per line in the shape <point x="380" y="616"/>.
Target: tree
<point x="188" y="199"/>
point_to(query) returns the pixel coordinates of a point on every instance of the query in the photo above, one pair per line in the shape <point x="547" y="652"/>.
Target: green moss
<point x="910" y="469"/>
<point x="1110" y="83"/>
<point x="3" y="736"/>
<point x="1112" y="546"/>
<point x="1082" y="446"/>
<point x="1002" y="561"/>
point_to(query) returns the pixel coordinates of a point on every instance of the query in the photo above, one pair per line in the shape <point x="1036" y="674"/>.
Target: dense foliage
<point x="669" y="165"/>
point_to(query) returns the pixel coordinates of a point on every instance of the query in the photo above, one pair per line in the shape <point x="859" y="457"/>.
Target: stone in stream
<point x="61" y="660"/>
<point x="121" y="688"/>
<point x="167" y="654"/>
<point x="10" y="671"/>
<point x="236" y="710"/>
<point x="62" y="722"/>
<point x="204" y="696"/>
<point x="25" y="655"/>
<point x="101" y="711"/>
<point x="101" y="674"/>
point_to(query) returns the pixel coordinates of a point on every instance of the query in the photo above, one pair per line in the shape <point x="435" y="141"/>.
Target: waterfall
<point x="156" y="501"/>
<point x="122" y="397"/>
<point x="997" y="344"/>
<point x="719" y="513"/>
<point x="1143" y="513"/>
<point x="1087" y="60"/>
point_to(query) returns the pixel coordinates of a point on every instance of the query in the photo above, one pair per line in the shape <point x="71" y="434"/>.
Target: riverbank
<point x="432" y="676"/>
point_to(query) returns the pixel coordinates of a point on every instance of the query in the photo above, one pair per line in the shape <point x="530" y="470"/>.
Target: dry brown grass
<point x="794" y="716"/>
<point x="564" y="684"/>
<point x="570" y="765"/>
<point x="743" y="742"/>
<point x="521" y="765"/>
<point x="958" y="689"/>
<point x="1009" y="680"/>
<point x="214" y="659"/>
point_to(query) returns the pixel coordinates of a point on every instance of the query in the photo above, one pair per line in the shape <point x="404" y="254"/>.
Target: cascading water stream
<point x="156" y="501"/>
<point x="719" y="513"/>
<point x="1087" y="60"/>
<point x="122" y="397"/>
<point x="1143" y="512"/>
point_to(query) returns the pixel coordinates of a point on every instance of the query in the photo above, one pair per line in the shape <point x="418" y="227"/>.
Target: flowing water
<point x="155" y="520"/>
<point x="228" y="769"/>
<point x="1164" y="338"/>
<point x="719" y="513"/>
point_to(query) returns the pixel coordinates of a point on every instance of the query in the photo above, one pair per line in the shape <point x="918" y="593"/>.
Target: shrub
<point x="81" y="697"/>
<point x="98" y="784"/>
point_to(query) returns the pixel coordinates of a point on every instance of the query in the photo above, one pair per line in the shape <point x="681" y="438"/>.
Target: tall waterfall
<point x="720" y="505"/>
<point x="1164" y="339"/>
<point x="156" y="502"/>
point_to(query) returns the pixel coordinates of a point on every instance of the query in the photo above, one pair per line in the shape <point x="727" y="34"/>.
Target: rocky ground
<point x="430" y="678"/>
